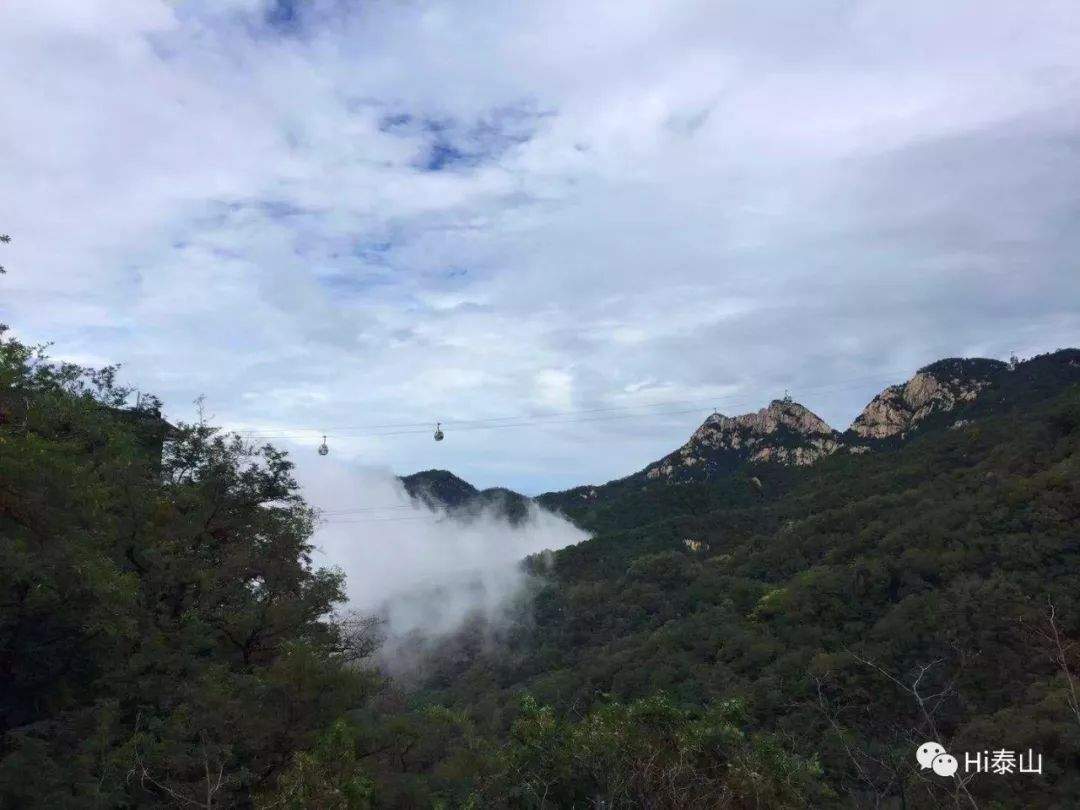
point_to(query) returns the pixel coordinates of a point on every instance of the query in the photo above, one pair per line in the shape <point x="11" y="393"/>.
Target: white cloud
<point x="719" y="199"/>
<point x="422" y="569"/>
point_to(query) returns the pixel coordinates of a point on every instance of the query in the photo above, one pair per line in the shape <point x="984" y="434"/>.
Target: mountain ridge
<point x="945" y="554"/>
<point x="441" y="489"/>
<point x="784" y="433"/>
<point x="940" y="386"/>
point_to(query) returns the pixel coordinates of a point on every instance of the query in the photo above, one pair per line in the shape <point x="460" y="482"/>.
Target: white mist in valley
<point x="424" y="570"/>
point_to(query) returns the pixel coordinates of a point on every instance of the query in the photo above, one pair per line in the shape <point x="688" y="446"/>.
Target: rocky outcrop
<point x="785" y="432"/>
<point x="788" y="433"/>
<point x="939" y="387"/>
<point x="952" y="393"/>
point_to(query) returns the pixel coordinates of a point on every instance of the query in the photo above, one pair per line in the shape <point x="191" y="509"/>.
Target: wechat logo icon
<point x="933" y="755"/>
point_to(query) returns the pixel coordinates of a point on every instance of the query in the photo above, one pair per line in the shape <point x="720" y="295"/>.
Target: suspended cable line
<point x="430" y="518"/>
<point x="487" y="423"/>
<point x="363" y="514"/>
<point x="365" y="509"/>
<point x="591" y="415"/>
<point x="528" y="423"/>
<point x="469" y="422"/>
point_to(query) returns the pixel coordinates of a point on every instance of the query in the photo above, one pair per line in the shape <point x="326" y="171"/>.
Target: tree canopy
<point x="164" y="636"/>
<point x="167" y="641"/>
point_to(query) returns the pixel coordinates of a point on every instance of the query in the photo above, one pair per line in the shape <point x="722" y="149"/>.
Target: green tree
<point x="164" y="636"/>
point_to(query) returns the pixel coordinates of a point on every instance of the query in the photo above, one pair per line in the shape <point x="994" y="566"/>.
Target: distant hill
<point x="916" y="580"/>
<point x="941" y="387"/>
<point x="785" y="433"/>
<point x="946" y="393"/>
<point x="444" y="490"/>
<point x="773" y="615"/>
<point x="439" y="488"/>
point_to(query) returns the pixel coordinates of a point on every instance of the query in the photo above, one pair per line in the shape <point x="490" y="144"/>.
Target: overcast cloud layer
<point x="332" y="214"/>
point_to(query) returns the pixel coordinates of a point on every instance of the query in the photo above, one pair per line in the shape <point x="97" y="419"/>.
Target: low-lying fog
<point x="423" y="570"/>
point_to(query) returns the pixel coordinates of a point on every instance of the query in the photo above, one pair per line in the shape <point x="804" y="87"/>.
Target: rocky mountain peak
<point x="779" y="415"/>
<point x="941" y="386"/>
<point x="784" y="432"/>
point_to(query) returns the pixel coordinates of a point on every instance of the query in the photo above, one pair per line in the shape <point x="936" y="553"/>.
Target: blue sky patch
<point x="283" y="15"/>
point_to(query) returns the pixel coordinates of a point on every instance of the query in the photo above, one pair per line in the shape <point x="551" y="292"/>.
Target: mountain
<point x="764" y="446"/>
<point x="940" y="387"/>
<point x="785" y="433"/>
<point x="921" y="589"/>
<point x="441" y="489"/>
<point x="776" y="623"/>
<point x="944" y="394"/>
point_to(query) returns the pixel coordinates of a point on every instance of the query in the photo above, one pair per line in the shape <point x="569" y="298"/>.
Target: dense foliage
<point x="855" y="608"/>
<point x="776" y="637"/>
<point x="444" y="490"/>
<point x="164" y="638"/>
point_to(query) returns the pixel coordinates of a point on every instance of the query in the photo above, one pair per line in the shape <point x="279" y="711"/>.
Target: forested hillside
<point x="850" y="610"/>
<point x="441" y="489"/>
<point x="776" y="636"/>
<point x="164" y="638"/>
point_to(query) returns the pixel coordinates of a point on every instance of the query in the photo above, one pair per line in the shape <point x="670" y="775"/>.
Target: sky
<point x="330" y="216"/>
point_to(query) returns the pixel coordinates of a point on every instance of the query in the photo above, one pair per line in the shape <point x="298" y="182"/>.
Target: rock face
<point x="939" y="387"/>
<point x="785" y="432"/>
<point x="952" y="393"/>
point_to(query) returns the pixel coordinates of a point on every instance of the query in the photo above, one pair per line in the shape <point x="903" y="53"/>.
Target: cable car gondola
<point x="438" y="432"/>
<point x="323" y="449"/>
